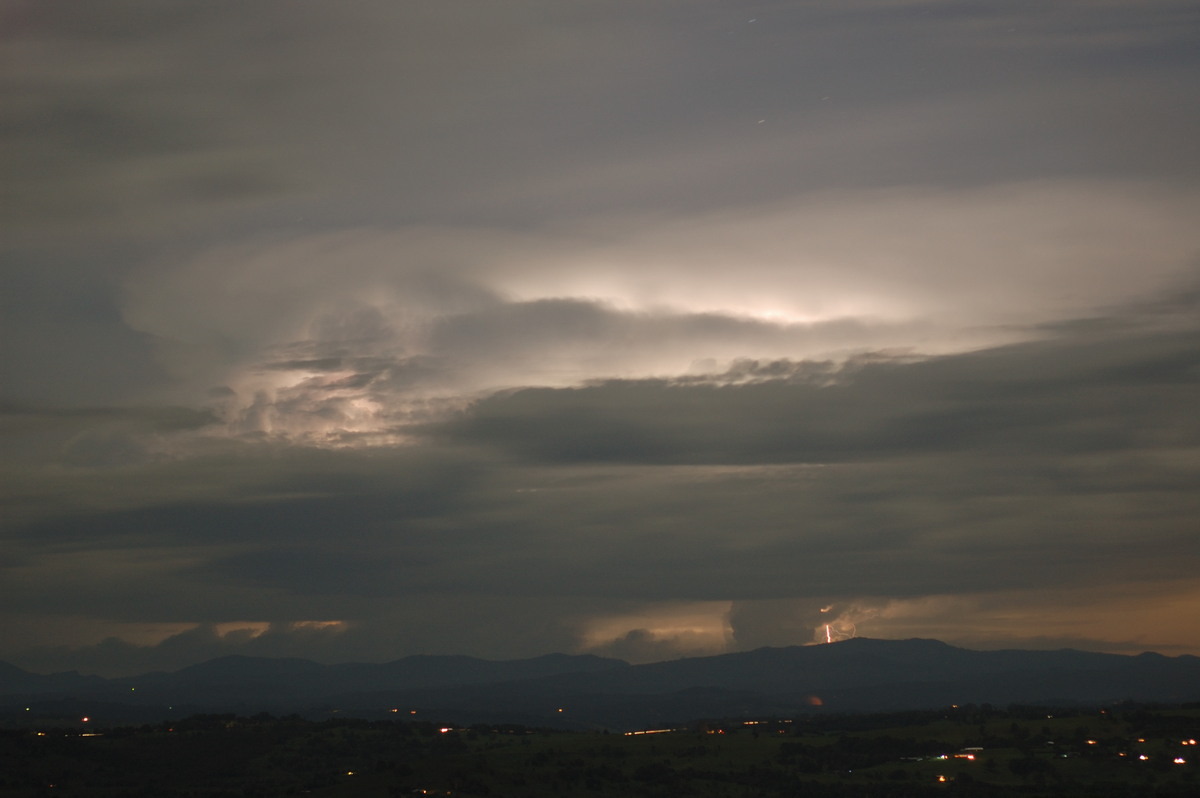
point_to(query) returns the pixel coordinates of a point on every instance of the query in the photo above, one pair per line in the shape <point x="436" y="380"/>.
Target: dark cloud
<point x="154" y="119"/>
<point x="1061" y="463"/>
<point x="907" y="476"/>
<point x="1052" y="397"/>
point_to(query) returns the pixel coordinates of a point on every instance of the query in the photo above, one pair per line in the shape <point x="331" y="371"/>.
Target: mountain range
<point x="583" y="691"/>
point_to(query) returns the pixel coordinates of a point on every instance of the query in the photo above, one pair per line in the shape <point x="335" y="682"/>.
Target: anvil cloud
<point x="639" y="329"/>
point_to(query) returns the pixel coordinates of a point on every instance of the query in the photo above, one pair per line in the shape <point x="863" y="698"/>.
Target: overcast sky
<point x="643" y="328"/>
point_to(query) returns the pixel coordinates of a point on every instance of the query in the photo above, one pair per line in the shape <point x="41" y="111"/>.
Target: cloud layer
<point x="642" y="329"/>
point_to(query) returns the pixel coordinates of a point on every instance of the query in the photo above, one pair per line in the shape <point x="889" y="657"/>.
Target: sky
<point x="637" y="328"/>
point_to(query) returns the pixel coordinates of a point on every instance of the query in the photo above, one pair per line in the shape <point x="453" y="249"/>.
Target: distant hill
<point x="240" y="683"/>
<point x="17" y="682"/>
<point x="857" y="675"/>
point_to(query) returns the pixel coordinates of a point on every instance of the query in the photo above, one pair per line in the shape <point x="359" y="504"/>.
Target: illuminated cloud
<point x="612" y="326"/>
<point x="362" y="333"/>
<point x="660" y="631"/>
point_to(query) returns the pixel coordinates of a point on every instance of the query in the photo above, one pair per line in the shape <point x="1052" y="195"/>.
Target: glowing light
<point x="773" y="315"/>
<point x="941" y="778"/>
<point x="249" y="628"/>
<point x="1143" y="757"/>
<point x="695" y="628"/>
<point x="319" y="625"/>
<point x="1180" y="760"/>
<point x="85" y="719"/>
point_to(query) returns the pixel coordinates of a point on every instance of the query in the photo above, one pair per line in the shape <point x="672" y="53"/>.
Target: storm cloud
<point x="639" y="329"/>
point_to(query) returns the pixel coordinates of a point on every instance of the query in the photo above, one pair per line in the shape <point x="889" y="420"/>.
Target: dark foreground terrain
<point x="970" y="750"/>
